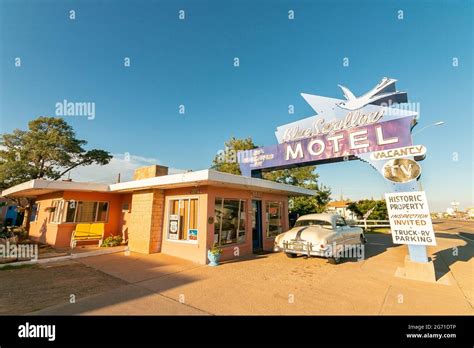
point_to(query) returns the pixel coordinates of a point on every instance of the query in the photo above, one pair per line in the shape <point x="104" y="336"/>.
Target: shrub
<point x="16" y="232"/>
<point x="5" y="233"/>
<point x="112" y="241"/>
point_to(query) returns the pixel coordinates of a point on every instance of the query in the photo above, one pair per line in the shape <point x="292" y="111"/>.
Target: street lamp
<point x="439" y="123"/>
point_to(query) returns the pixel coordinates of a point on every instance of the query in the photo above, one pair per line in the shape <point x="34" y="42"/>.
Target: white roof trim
<point x="52" y="186"/>
<point x="260" y="183"/>
<point x="208" y="176"/>
<point x="203" y="177"/>
<point x="20" y="187"/>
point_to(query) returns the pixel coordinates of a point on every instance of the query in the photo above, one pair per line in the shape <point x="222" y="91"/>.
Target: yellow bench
<point x="87" y="232"/>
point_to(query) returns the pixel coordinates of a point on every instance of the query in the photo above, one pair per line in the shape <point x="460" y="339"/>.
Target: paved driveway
<point x="274" y="284"/>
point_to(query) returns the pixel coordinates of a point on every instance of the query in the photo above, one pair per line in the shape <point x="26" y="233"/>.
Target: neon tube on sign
<point x="337" y="146"/>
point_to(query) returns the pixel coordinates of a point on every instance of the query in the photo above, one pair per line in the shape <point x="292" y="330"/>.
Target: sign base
<point x="422" y="271"/>
<point x="418" y="253"/>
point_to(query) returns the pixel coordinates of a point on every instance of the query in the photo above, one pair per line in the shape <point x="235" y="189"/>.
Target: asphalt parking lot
<point x="261" y="284"/>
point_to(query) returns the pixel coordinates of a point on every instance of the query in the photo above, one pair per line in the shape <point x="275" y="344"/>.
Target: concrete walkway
<point x="66" y="254"/>
<point x="273" y="284"/>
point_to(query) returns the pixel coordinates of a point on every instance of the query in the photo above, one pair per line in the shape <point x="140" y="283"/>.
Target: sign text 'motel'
<point x="340" y="145"/>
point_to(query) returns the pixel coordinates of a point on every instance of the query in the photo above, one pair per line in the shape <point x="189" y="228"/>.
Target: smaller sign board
<point x="417" y="151"/>
<point x="193" y="234"/>
<point x="401" y="170"/>
<point x="173" y="227"/>
<point x="410" y="219"/>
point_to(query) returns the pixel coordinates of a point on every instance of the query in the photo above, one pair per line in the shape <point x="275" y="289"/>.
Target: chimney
<point x="150" y="172"/>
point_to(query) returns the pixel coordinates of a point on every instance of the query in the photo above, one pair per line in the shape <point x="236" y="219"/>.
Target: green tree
<point x="226" y="161"/>
<point x="363" y="206"/>
<point x="48" y="149"/>
<point x="304" y="177"/>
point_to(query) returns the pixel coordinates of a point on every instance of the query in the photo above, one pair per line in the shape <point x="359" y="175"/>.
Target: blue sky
<point x="190" y="62"/>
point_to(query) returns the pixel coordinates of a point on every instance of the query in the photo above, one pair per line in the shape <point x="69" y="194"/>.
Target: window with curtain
<point x="71" y="211"/>
<point x="86" y="211"/>
<point x="80" y="211"/>
<point x="182" y="219"/>
<point x="57" y="214"/>
<point x="102" y="211"/>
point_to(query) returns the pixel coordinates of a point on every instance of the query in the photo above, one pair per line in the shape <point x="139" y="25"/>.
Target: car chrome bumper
<point x="301" y="248"/>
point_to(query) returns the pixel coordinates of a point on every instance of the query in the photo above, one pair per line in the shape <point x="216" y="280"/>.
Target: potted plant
<point x="214" y="255"/>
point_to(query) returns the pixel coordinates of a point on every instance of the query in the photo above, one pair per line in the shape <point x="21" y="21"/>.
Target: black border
<point x="240" y="330"/>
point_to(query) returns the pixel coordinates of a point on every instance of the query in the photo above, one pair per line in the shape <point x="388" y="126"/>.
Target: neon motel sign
<point x="343" y="145"/>
<point x="340" y="133"/>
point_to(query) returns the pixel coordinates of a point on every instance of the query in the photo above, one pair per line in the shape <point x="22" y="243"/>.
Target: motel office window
<point x="182" y="219"/>
<point x="57" y="213"/>
<point x="274" y="214"/>
<point x="89" y="211"/>
<point x="229" y="223"/>
<point x="79" y="211"/>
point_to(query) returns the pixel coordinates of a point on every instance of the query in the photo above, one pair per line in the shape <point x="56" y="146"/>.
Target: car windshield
<point x="340" y="222"/>
<point x="301" y="223"/>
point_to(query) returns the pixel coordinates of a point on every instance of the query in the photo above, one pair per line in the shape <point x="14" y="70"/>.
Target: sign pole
<point x="418" y="253"/>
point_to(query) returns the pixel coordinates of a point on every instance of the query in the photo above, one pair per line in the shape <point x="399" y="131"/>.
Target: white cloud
<point x="125" y="164"/>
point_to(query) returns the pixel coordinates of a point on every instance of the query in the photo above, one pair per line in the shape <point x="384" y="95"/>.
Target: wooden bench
<point x="87" y="232"/>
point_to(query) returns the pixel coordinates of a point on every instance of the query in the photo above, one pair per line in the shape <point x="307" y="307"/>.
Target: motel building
<point x="181" y="215"/>
<point x="341" y="208"/>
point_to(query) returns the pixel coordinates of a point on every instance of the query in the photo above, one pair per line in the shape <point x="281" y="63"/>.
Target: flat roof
<point x="38" y="187"/>
<point x="210" y="177"/>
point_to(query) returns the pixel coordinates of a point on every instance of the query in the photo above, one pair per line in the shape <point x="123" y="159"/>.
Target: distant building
<point x="450" y="211"/>
<point x="340" y="207"/>
<point x="470" y="213"/>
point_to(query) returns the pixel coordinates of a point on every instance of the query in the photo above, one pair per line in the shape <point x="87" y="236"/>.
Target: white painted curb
<point x="105" y="251"/>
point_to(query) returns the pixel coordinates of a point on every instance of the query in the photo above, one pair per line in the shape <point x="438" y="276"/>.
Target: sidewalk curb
<point x="105" y="251"/>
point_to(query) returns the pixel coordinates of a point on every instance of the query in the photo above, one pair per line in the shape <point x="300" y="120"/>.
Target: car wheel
<point x="291" y="255"/>
<point x="363" y="239"/>
<point x="334" y="260"/>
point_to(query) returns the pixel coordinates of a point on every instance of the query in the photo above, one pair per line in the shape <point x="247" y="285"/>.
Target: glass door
<point x="257" y="225"/>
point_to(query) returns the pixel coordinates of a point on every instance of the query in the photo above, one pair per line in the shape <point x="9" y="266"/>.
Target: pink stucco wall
<point x="59" y="234"/>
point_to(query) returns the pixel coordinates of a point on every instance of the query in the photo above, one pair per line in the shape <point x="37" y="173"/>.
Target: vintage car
<point x="325" y="235"/>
